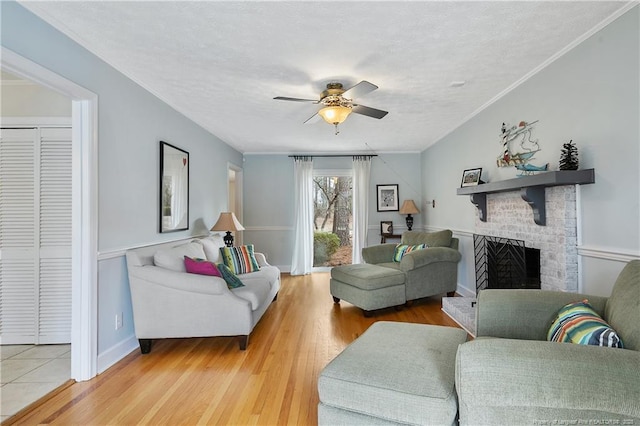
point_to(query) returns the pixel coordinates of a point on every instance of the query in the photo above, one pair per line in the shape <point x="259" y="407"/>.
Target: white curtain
<point x="361" y="173"/>
<point x="302" y="261"/>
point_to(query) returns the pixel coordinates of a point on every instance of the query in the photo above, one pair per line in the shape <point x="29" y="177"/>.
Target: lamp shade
<point x="227" y="222"/>
<point x="409" y="207"/>
<point x="335" y="114"/>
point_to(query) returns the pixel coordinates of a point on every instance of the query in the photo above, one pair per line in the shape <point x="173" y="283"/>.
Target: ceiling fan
<point x="338" y="103"/>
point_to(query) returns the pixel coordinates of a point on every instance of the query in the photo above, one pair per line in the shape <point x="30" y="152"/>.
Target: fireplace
<point x="508" y="216"/>
<point x="505" y="263"/>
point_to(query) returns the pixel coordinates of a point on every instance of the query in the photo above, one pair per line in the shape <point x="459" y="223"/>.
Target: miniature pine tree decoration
<point x="569" y="156"/>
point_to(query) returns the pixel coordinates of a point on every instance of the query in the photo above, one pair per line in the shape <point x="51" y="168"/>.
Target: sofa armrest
<point x="504" y="381"/>
<point x="178" y="280"/>
<point x="420" y="258"/>
<point x="524" y="314"/>
<point x="261" y="259"/>
<point x="381" y="253"/>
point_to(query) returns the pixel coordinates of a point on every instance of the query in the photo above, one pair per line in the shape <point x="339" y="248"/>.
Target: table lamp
<point x="409" y="208"/>
<point x="228" y="222"/>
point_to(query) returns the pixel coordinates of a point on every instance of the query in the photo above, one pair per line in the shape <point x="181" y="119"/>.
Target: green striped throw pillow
<point x="241" y="260"/>
<point x="230" y="278"/>
<point x="402" y="249"/>
<point x="579" y="323"/>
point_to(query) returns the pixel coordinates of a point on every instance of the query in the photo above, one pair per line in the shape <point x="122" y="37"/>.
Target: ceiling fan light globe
<point x="334" y="114"/>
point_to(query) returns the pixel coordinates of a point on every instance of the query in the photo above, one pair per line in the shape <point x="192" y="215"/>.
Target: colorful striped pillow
<point x="579" y="323"/>
<point x="402" y="249"/>
<point x="241" y="260"/>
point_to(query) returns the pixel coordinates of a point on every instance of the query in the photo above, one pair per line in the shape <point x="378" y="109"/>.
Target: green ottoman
<point x="367" y="286"/>
<point x="395" y="373"/>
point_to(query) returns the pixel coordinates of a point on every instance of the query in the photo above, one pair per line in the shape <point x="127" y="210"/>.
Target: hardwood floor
<point x="210" y="381"/>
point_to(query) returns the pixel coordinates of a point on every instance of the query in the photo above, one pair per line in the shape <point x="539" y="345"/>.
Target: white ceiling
<point x="221" y="63"/>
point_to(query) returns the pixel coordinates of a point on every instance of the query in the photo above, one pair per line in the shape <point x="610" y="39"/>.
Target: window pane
<point x="333" y="220"/>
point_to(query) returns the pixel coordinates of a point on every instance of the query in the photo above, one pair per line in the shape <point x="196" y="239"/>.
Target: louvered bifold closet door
<point x="18" y="236"/>
<point x="35" y="235"/>
<point x="54" y="322"/>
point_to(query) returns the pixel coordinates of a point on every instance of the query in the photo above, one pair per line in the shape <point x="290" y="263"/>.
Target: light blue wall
<point x="401" y="169"/>
<point x="268" y="206"/>
<point x="269" y="198"/>
<point x="131" y="123"/>
<point x="590" y="95"/>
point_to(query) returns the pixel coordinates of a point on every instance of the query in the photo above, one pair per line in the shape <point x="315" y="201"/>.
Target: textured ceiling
<point x="221" y="63"/>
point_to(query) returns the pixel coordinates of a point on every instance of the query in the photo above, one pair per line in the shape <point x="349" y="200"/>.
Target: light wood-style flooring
<point x="210" y="381"/>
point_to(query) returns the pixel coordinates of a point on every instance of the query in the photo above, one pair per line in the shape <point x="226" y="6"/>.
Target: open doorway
<point x="35" y="213"/>
<point x="35" y="222"/>
<point x="235" y="197"/>
<point x="84" y="208"/>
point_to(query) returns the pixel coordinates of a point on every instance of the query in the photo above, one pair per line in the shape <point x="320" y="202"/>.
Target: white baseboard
<point x="284" y="268"/>
<point x="465" y="291"/>
<point x="115" y="353"/>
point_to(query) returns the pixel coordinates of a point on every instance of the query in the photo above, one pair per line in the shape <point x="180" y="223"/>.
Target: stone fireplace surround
<point x="509" y="216"/>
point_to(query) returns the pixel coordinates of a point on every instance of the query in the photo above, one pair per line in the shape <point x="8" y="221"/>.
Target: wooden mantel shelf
<point x="531" y="189"/>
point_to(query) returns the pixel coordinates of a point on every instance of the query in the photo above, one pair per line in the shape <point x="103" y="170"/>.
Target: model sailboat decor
<point x="518" y="148"/>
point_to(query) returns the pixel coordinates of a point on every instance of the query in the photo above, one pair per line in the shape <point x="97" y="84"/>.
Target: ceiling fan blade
<point x="359" y="89"/>
<point x="283" y="98"/>
<point x="369" y="112"/>
<point x="313" y="119"/>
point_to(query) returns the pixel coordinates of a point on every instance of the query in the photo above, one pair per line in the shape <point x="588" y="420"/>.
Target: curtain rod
<point x="334" y="155"/>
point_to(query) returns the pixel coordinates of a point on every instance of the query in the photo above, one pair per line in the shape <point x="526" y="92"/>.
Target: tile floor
<point x="29" y="372"/>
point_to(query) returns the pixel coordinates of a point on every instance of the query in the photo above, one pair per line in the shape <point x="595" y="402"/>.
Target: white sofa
<point x="168" y="302"/>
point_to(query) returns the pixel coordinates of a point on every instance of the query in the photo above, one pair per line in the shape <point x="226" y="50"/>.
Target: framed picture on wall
<point x="387" y="198"/>
<point x="471" y="177"/>
<point x="386" y="227"/>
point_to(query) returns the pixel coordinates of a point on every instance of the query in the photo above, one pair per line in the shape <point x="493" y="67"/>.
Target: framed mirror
<point x="174" y="188"/>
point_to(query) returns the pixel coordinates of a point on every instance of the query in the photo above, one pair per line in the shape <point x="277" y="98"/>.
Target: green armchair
<point x="512" y="375"/>
<point x="427" y="272"/>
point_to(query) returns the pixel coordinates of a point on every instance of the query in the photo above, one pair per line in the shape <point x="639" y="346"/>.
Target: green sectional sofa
<point x="428" y="272"/>
<point x="511" y="374"/>
<point x="386" y="280"/>
<point x="398" y="373"/>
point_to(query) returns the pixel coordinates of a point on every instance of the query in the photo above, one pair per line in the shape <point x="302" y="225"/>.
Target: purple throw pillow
<point x="201" y="266"/>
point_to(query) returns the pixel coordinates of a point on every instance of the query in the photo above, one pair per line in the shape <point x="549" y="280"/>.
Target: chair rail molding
<point x="119" y="252"/>
<point x="606" y="253"/>
<point x="269" y="228"/>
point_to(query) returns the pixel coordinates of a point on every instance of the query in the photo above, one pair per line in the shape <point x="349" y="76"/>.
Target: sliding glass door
<point x="333" y="217"/>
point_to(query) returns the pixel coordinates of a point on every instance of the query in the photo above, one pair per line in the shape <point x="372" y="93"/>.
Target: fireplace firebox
<point x="505" y="263"/>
